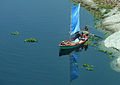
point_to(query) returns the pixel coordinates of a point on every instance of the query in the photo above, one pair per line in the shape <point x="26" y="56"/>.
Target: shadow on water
<point x="69" y="51"/>
<point x="73" y="60"/>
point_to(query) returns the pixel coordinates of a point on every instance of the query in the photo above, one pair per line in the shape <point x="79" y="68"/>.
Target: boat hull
<point x="70" y="47"/>
<point x="73" y="46"/>
<point x="69" y="51"/>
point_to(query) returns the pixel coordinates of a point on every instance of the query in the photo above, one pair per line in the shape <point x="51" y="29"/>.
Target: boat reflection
<point x="74" y="70"/>
<point x="69" y="51"/>
<point x="73" y="60"/>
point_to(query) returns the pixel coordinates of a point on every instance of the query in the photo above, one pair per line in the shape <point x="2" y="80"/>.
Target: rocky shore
<point x="107" y="12"/>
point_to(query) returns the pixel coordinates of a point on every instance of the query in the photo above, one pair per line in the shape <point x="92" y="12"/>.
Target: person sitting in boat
<point x="86" y="28"/>
<point x="77" y="35"/>
<point x="76" y="38"/>
<point x="82" y="36"/>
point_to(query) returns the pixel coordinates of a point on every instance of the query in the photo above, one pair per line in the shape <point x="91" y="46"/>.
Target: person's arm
<point x="82" y="28"/>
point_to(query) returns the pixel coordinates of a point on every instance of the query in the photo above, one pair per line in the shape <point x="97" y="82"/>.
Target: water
<point x="39" y="63"/>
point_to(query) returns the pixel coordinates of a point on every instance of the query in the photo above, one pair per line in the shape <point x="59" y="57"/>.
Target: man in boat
<point x="77" y="35"/>
<point x="82" y="36"/>
<point x="86" y="28"/>
<point x="76" y="39"/>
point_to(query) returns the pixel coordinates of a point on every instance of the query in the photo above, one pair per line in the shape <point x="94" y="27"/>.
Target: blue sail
<point x="75" y="19"/>
<point x="74" y="66"/>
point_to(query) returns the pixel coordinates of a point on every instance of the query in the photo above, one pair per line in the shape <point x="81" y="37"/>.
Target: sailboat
<point x="74" y="28"/>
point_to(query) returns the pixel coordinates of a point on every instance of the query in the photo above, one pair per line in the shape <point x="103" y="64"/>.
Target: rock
<point x="102" y="11"/>
<point x="114" y="10"/>
<point x="111" y="19"/>
<point x="90" y="3"/>
<point x="113" y="41"/>
<point x="113" y="27"/>
<point x="112" y="23"/>
<point x="115" y="64"/>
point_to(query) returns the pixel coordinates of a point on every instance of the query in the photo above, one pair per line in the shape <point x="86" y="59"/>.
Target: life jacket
<point x="82" y="35"/>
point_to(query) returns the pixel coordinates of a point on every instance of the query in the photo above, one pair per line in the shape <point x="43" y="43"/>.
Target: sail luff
<point x="70" y="23"/>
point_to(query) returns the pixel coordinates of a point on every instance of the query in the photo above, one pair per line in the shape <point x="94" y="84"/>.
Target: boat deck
<point x="70" y="42"/>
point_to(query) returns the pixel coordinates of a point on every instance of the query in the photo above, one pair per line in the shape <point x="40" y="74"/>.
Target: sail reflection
<point x="73" y="60"/>
<point x="74" y="71"/>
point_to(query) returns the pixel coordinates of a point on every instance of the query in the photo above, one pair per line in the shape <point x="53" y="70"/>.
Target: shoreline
<point x="107" y="16"/>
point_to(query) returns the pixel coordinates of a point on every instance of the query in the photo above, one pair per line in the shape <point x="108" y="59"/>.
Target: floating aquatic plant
<point x="91" y="66"/>
<point x="75" y="64"/>
<point x="93" y="38"/>
<point x="101" y="50"/>
<point x="109" y="53"/>
<point x="89" y="69"/>
<point x="87" y="42"/>
<point x="105" y="33"/>
<point x="16" y="33"/>
<point x="106" y="36"/>
<point x="93" y="45"/>
<point x="105" y="51"/>
<point x="96" y="38"/>
<point x="90" y="40"/>
<point x="85" y="65"/>
<point x="96" y="23"/>
<point x="98" y="44"/>
<point x="30" y="40"/>
<point x="110" y="56"/>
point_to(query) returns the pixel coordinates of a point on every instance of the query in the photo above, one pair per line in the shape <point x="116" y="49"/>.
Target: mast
<point x="70" y="69"/>
<point x="79" y="16"/>
<point x="70" y="23"/>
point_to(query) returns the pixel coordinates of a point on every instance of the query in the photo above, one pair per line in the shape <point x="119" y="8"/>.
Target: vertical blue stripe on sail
<point x="75" y="19"/>
<point x="74" y="66"/>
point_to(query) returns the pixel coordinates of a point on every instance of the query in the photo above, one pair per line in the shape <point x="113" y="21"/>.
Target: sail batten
<point x="75" y="19"/>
